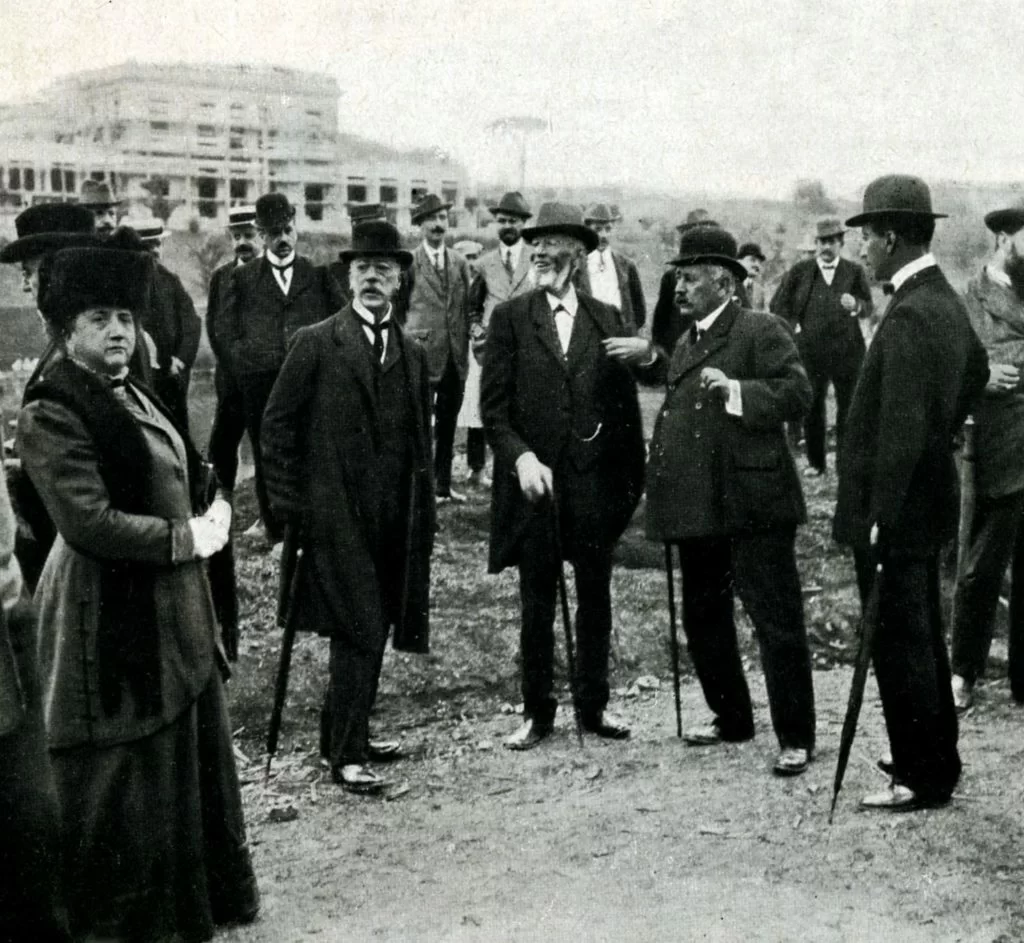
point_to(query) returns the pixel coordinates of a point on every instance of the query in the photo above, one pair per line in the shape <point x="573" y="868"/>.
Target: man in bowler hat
<point x="722" y="488"/>
<point x="97" y="197"/>
<point x="995" y="305"/>
<point x="563" y="420"/>
<point x="501" y="273"/>
<point x="824" y="299"/>
<point x="439" y="318"/>
<point x="897" y="499"/>
<point x="267" y="301"/>
<point x="346" y="447"/>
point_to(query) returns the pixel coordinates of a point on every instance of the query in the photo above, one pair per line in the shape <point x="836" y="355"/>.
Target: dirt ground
<point x="643" y="840"/>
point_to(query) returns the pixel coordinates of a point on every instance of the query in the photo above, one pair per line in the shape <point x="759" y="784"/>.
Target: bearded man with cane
<point x="563" y="420"/>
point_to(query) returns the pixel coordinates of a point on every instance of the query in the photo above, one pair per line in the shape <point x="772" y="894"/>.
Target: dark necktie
<point x="696" y="333"/>
<point x="378" y="338"/>
<point x="508" y="264"/>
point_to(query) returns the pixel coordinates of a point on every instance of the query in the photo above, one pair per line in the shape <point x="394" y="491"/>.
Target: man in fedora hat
<point x="229" y="416"/>
<point x="439" y="317"/>
<point x="667" y="322"/>
<point x="346" y="446"/>
<point x="563" y="420"/>
<point x="723" y="489"/>
<point x="995" y="304"/>
<point x="501" y="273"/>
<point x="824" y="299"/>
<point x="170" y="321"/>
<point x="609" y="276"/>
<point x="897" y="498"/>
<point x="267" y="301"/>
<point x="98" y="197"/>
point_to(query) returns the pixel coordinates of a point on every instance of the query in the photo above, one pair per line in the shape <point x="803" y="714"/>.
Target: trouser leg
<point x="912" y="670"/>
<point x="476" y="449"/>
<point x="256" y="389"/>
<point x="228" y="428"/>
<point x="844" y="380"/>
<point x="1015" y="657"/>
<point x="709" y="623"/>
<point x="447" y="403"/>
<point x="354" y="670"/>
<point x="768" y="583"/>
<point x="815" y="426"/>
<point x="593" y="571"/>
<point x="538" y="578"/>
<point x="994" y="535"/>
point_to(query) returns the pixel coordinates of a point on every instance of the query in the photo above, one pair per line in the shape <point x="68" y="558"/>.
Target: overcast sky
<point x="741" y="97"/>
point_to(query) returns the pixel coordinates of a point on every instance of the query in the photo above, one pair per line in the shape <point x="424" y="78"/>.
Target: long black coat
<point x="578" y="413"/>
<point x="922" y="373"/>
<point x="710" y="473"/>
<point x="319" y="442"/>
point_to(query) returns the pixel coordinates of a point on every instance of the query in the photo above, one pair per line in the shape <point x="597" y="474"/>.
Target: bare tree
<point x="210" y="253"/>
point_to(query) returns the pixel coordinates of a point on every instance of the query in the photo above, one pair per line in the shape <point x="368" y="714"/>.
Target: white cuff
<point x="734" y="404"/>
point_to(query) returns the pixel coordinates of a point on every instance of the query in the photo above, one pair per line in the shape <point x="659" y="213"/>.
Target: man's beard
<point x="509" y="236"/>
<point x="1014" y="268"/>
<point x="553" y="279"/>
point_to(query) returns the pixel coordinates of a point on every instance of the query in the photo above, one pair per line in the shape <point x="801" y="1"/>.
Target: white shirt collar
<point x="833" y="265"/>
<point x="570" y="302"/>
<point x="704" y="324"/>
<point x="366" y="315"/>
<point x="289" y="259"/>
<point x="998" y="276"/>
<point x="912" y="268"/>
<point x="434" y="253"/>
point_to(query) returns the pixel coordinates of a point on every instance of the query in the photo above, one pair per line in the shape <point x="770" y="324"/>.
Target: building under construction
<point x="192" y="140"/>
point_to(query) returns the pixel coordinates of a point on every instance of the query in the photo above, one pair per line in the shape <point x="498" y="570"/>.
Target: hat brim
<point x="104" y="205"/>
<point x="401" y="256"/>
<point x="588" y="237"/>
<point x="1006" y="221"/>
<point x="861" y="218"/>
<point x="495" y="210"/>
<point x="733" y="265"/>
<point x="29" y="247"/>
<point x="416" y="217"/>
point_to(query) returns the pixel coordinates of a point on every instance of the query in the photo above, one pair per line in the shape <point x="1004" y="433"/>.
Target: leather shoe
<point x="885" y="764"/>
<point x="710" y="734"/>
<point x="451" y="495"/>
<point x="528" y="735"/>
<point x="384" y="751"/>
<point x="358" y="779"/>
<point x="607" y="725"/>
<point x="896" y="798"/>
<point x="963" y="693"/>
<point x="792" y="761"/>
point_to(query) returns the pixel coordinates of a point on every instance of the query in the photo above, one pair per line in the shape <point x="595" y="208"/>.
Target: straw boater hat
<point x="431" y="203"/>
<point x="895" y="195"/>
<point x="273" y="211"/>
<point x="239" y="216"/>
<point x="150" y="231"/>
<point x="86" y="277"/>
<point x="561" y="219"/>
<point x="709" y="245"/>
<point x="513" y="204"/>
<point x="468" y="248"/>
<point x="96" y="194"/>
<point x="376" y="238"/>
<point x="46" y="228"/>
<point x="1009" y="221"/>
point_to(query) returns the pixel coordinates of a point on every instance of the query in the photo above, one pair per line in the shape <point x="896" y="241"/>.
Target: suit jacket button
<point x="696" y="435"/>
<point x="698" y="405"/>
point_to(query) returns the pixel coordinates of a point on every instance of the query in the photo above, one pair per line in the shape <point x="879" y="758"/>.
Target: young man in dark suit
<point x="722" y="488"/>
<point x="346" y="447"/>
<point x="267" y="301"/>
<point x="824" y="299"/>
<point x="897" y="501"/>
<point x="608" y="275"/>
<point x="563" y="420"/>
<point x="439" y="317"/>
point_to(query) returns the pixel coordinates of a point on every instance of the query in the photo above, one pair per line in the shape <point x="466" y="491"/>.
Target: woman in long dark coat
<point x="154" y="840"/>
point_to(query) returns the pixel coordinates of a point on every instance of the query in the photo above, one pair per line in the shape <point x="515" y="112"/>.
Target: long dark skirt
<point x="154" y="840"/>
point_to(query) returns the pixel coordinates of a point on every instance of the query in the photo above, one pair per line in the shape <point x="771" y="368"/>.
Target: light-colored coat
<point x="493" y="285"/>
<point x="63" y="464"/>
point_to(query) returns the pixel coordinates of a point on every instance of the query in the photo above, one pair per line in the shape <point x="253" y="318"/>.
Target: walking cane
<point x="563" y="595"/>
<point x="673" y="637"/>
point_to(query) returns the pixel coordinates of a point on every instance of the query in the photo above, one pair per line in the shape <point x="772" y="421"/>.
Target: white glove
<point x="219" y="513"/>
<point x="207" y="537"/>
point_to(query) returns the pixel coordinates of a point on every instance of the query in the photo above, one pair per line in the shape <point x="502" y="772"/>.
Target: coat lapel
<point x="351" y="344"/>
<point x="687" y="356"/>
<point x="589" y="329"/>
<point x="522" y="272"/>
<point x="429" y="274"/>
<point x="302" y="277"/>
<point x="544" y="326"/>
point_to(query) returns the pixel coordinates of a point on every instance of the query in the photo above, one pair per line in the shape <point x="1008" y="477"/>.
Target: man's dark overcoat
<point x="631" y="290"/>
<point x="319" y="441"/>
<point x="712" y="474"/>
<point x="577" y="412"/>
<point x="260" y="320"/>
<point x="922" y="373"/>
